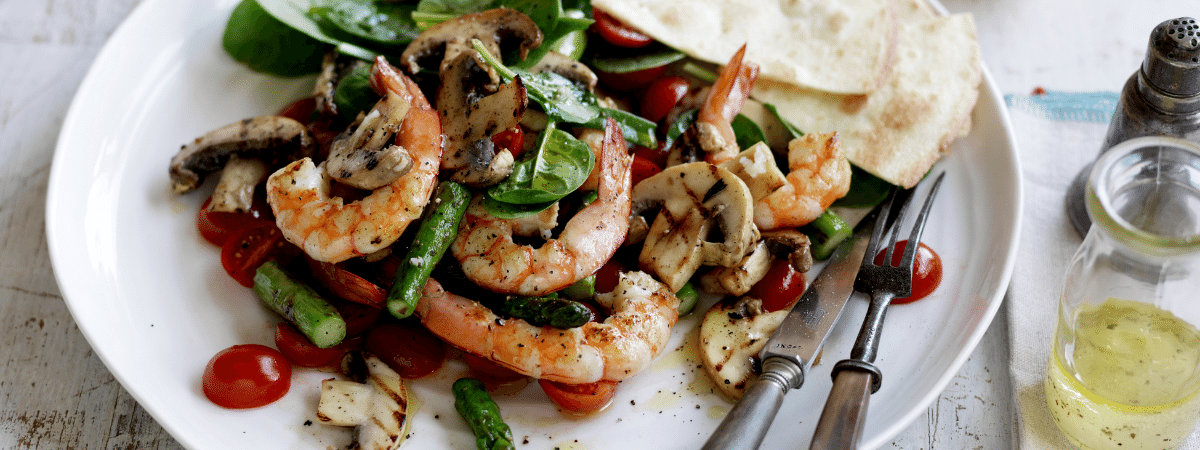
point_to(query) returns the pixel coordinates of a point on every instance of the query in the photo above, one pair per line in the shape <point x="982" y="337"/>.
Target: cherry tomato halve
<point x="215" y="227"/>
<point x="512" y="139"/>
<point x="299" y="350"/>
<point x="410" y="350"/>
<point x="618" y="33"/>
<point x="246" y="376"/>
<point x="642" y="169"/>
<point x="250" y="247"/>
<point x="580" y="398"/>
<point x="630" y="81"/>
<point x="662" y="95"/>
<point x="300" y="110"/>
<point x="608" y="275"/>
<point x="927" y="270"/>
<point x="780" y="288"/>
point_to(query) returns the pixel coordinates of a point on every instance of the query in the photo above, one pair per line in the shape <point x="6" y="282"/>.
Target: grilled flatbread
<point x="901" y="129"/>
<point x="842" y="47"/>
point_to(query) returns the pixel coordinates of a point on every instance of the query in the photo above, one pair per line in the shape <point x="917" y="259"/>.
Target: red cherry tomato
<point x="299" y="350"/>
<point x="246" y="376"/>
<point x="216" y="227"/>
<point x="345" y="284"/>
<point x="300" y="110"/>
<point x="655" y="155"/>
<point x="642" y="169"/>
<point x="249" y="248"/>
<point x="617" y="33"/>
<point x="662" y="95"/>
<point x="512" y="139"/>
<point x="631" y="81"/>
<point x="927" y="271"/>
<point x="580" y="398"/>
<point x="608" y="275"/>
<point x="410" y="350"/>
<point x="780" y="288"/>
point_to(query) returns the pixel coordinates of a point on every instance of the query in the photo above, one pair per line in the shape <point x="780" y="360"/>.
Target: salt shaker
<point x="1124" y="371"/>
<point x="1160" y="99"/>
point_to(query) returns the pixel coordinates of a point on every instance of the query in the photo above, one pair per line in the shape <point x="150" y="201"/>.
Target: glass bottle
<point x="1125" y="367"/>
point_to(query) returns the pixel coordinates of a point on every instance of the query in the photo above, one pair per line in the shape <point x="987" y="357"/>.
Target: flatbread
<point x="792" y="41"/>
<point x="900" y="130"/>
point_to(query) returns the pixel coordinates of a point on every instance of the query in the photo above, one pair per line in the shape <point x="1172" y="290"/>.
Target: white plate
<point x="151" y="298"/>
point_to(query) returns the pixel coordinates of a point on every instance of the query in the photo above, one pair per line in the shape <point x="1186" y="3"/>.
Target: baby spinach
<point x="256" y="38"/>
<point x="353" y="92"/>
<point x="294" y="13"/>
<point x="556" y="168"/>
<point x="746" y="131"/>
<point x="384" y="23"/>
<point x="678" y="127"/>
<point x="633" y="127"/>
<point x="659" y="56"/>
<point x="791" y="129"/>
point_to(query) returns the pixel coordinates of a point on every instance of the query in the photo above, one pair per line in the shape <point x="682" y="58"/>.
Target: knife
<point x="788" y="355"/>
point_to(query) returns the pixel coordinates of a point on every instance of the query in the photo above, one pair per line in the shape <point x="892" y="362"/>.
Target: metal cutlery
<point x="856" y="378"/>
<point x="788" y="355"/>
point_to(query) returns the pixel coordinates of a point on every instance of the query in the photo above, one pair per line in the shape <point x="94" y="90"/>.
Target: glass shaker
<point x="1125" y="367"/>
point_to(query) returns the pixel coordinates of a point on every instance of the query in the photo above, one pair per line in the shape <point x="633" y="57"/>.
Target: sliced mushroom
<point x="272" y="139"/>
<point x="575" y="71"/>
<point x="334" y="66"/>
<point x="470" y="117"/>
<point x="364" y="156"/>
<point x="739" y="278"/>
<point x="692" y="198"/>
<point x="377" y="408"/>
<point x="792" y="245"/>
<point x="452" y="38"/>
<point x="235" y="190"/>
<point x="756" y="166"/>
<point x="731" y="336"/>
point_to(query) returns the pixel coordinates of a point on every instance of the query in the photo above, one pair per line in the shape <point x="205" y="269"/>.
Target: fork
<point x="856" y="378"/>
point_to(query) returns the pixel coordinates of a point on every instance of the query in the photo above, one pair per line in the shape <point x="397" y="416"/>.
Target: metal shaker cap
<point x="1172" y="63"/>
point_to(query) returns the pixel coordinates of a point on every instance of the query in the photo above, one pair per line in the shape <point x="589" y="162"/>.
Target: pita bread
<point x="900" y="130"/>
<point x="792" y="41"/>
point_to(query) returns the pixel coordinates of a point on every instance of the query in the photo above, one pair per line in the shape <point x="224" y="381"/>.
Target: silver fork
<point x="855" y="379"/>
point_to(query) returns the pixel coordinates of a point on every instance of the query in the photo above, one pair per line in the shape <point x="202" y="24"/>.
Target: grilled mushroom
<point x="731" y="336"/>
<point x="377" y="407"/>
<point x="364" y="156"/>
<point x="452" y="38"/>
<point x="470" y="117"/>
<point x="575" y="71"/>
<point x="272" y="139"/>
<point x="692" y="198"/>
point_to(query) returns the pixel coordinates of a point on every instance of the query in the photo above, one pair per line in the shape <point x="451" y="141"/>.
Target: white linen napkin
<point x="1057" y="134"/>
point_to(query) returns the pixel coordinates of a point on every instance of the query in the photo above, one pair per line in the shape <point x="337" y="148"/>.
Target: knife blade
<point x="789" y="353"/>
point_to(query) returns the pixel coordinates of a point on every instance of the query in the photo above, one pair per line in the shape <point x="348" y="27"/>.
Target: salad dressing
<point x="1133" y="379"/>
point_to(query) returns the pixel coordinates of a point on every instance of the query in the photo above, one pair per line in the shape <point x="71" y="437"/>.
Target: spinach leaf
<point x="454" y="7"/>
<point x="626" y="64"/>
<point x="506" y="211"/>
<point x="680" y="126"/>
<point x="294" y="13"/>
<point x="265" y="44"/>
<point x="559" y="166"/>
<point x="567" y="37"/>
<point x="795" y="132"/>
<point x="559" y="97"/>
<point x="866" y="190"/>
<point x="747" y="132"/>
<point x="353" y="92"/>
<point x="634" y="128"/>
<point x="386" y="23"/>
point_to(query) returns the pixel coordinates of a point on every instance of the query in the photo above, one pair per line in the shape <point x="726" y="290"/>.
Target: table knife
<point x="788" y="355"/>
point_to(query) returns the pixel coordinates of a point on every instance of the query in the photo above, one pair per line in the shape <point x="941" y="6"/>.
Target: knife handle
<point x="746" y="424"/>
<point x="841" y="423"/>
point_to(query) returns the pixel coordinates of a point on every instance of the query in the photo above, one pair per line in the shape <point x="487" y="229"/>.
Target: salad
<point x="532" y="187"/>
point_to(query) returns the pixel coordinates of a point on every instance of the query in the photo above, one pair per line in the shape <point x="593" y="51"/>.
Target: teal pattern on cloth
<point x="1095" y="107"/>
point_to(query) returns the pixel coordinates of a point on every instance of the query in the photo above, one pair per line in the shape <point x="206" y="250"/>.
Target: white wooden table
<point x="55" y="393"/>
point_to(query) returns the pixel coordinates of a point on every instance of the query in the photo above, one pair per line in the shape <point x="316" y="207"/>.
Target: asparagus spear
<point x="299" y="304"/>
<point x="437" y="231"/>
<point x="472" y="401"/>
<point x="550" y="310"/>
<point x="826" y="233"/>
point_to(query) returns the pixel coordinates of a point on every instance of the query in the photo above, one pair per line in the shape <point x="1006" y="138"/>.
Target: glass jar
<point x="1125" y="367"/>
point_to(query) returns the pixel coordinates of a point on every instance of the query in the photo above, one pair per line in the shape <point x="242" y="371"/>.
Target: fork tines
<point x="869" y="279"/>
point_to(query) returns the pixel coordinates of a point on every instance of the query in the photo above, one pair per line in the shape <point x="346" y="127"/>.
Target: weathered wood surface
<point x="55" y="393"/>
